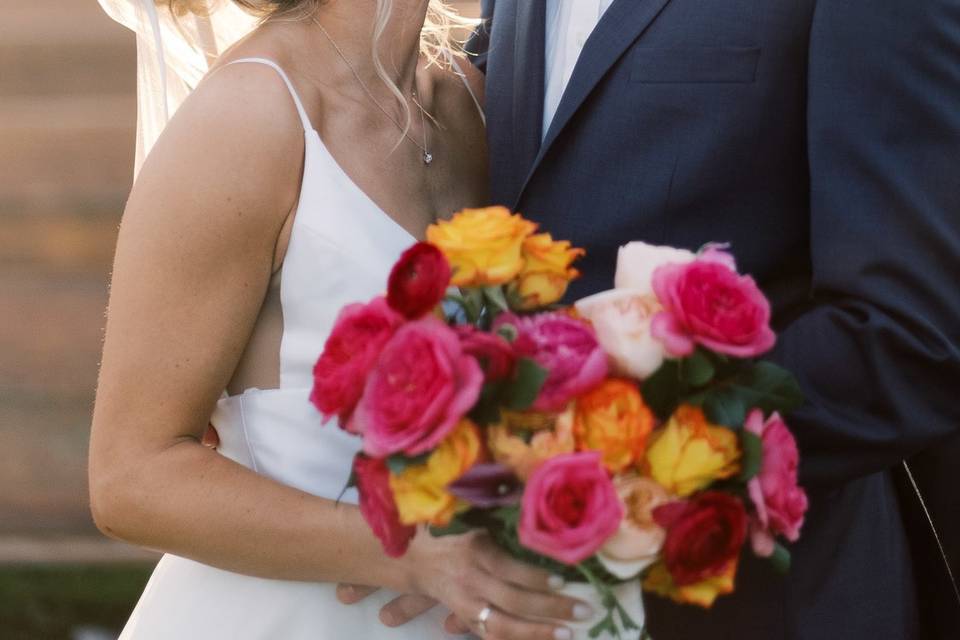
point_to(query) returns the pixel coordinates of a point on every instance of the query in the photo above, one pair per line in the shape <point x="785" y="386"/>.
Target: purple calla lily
<point x="488" y="485"/>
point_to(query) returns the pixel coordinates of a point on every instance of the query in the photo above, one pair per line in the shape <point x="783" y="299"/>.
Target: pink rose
<point x="779" y="502"/>
<point x="351" y="351"/>
<point x="423" y="385"/>
<point x="570" y="508"/>
<point x="378" y="506"/>
<point x="707" y="302"/>
<point x="567" y="348"/>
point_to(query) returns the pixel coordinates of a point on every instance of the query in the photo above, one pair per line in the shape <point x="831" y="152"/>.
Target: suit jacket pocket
<point x="706" y="64"/>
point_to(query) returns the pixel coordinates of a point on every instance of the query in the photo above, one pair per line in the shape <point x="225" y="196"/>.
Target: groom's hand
<point x="400" y="610"/>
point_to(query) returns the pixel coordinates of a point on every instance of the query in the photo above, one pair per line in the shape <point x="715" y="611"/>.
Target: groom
<point x="821" y="139"/>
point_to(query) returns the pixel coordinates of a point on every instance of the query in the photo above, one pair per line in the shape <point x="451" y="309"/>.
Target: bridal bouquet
<point x="633" y="438"/>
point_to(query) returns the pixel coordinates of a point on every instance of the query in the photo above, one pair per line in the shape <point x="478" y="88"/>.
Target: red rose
<point x="418" y="281"/>
<point x="340" y="374"/>
<point x="378" y="507"/>
<point x="492" y="351"/>
<point x="703" y="535"/>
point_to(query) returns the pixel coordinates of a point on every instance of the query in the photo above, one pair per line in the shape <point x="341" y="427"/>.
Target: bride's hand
<point x="468" y="573"/>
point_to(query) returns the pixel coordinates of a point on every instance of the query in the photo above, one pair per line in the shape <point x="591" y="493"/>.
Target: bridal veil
<point x="173" y="55"/>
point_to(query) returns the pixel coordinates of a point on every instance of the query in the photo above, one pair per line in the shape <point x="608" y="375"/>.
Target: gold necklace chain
<point x="427" y="156"/>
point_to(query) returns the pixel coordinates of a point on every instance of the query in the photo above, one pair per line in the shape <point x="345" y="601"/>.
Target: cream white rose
<point x="621" y="319"/>
<point x="637" y="261"/>
<point x="638" y="543"/>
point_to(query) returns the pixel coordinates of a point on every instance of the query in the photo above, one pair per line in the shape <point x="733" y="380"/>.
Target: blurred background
<point x="67" y="126"/>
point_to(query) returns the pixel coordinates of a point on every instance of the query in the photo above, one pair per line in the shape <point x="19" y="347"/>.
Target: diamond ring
<point x="482" y="619"/>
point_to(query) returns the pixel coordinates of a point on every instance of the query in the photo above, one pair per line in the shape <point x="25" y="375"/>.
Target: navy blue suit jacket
<point x="821" y="139"/>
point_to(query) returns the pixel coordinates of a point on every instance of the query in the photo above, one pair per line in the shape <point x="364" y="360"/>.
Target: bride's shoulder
<point x="237" y="138"/>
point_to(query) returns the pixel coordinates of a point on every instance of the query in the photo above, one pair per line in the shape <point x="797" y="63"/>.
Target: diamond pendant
<point x="427" y="158"/>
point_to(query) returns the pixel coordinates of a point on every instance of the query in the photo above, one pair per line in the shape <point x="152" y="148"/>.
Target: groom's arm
<point x="878" y="353"/>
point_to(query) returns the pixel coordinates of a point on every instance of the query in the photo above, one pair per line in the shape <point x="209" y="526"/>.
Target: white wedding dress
<point x="341" y="249"/>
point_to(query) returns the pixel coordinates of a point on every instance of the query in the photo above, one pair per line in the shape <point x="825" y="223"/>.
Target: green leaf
<point x="726" y="406"/>
<point x="698" y="370"/>
<point x="781" y="558"/>
<point x="487" y="409"/>
<point x="762" y="386"/>
<point x="662" y="390"/>
<point x="752" y="460"/>
<point x="495" y="296"/>
<point x="529" y="379"/>
<point x="398" y="463"/>
<point x="455" y="528"/>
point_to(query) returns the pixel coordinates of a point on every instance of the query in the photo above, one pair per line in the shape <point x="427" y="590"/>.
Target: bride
<point x="313" y="152"/>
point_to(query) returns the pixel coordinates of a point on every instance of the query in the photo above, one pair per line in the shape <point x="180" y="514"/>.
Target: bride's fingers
<point x="530" y="604"/>
<point x="403" y="609"/>
<point x="455" y="626"/>
<point x="499" y="564"/>
<point x="353" y="593"/>
<point x="504" y="626"/>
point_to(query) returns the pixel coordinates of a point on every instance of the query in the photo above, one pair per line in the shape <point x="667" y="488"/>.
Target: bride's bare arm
<point x="193" y="262"/>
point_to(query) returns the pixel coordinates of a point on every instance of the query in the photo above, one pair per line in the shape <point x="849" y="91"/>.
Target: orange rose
<point x="420" y="491"/>
<point x="613" y="419"/>
<point x="484" y="246"/>
<point x="546" y="271"/>
<point x="704" y="594"/>
<point x="509" y="447"/>
<point x="689" y="453"/>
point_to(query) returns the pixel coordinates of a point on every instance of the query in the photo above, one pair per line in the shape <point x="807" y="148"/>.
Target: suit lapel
<point x="528" y="82"/>
<point x="619" y="28"/>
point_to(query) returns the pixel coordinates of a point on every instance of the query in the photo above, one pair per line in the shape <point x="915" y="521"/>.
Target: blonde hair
<point x="438" y="39"/>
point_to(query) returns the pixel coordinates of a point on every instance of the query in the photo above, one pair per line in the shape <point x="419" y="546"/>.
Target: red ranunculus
<point x="495" y="355"/>
<point x="352" y="348"/>
<point x="703" y="535"/>
<point x="378" y="507"/>
<point x="418" y="281"/>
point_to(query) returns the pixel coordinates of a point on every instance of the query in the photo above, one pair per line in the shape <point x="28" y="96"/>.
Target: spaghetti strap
<point x="466" y="83"/>
<point x="304" y="118"/>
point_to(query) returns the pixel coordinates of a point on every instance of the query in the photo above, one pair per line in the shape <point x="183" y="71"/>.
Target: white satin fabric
<point x="341" y="249"/>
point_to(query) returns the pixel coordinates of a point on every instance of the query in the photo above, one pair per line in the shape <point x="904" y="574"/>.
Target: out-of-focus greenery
<point x="49" y="602"/>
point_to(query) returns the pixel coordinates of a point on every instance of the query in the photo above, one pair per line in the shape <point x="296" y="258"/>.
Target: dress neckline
<point x="356" y="187"/>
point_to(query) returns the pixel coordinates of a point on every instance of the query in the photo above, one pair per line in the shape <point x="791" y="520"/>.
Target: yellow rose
<point x="546" y="271"/>
<point x="659" y="581"/>
<point x="613" y="419"/>
<point x="420" y="490"/>
<point x="689" y="453"/>
<point x="484" y="246"/>
<point x="509" y="447"/>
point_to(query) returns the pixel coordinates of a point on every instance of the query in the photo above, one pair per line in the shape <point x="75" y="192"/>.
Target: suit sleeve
<point x="878" y="353"/>
<point x="479" y="42"/>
